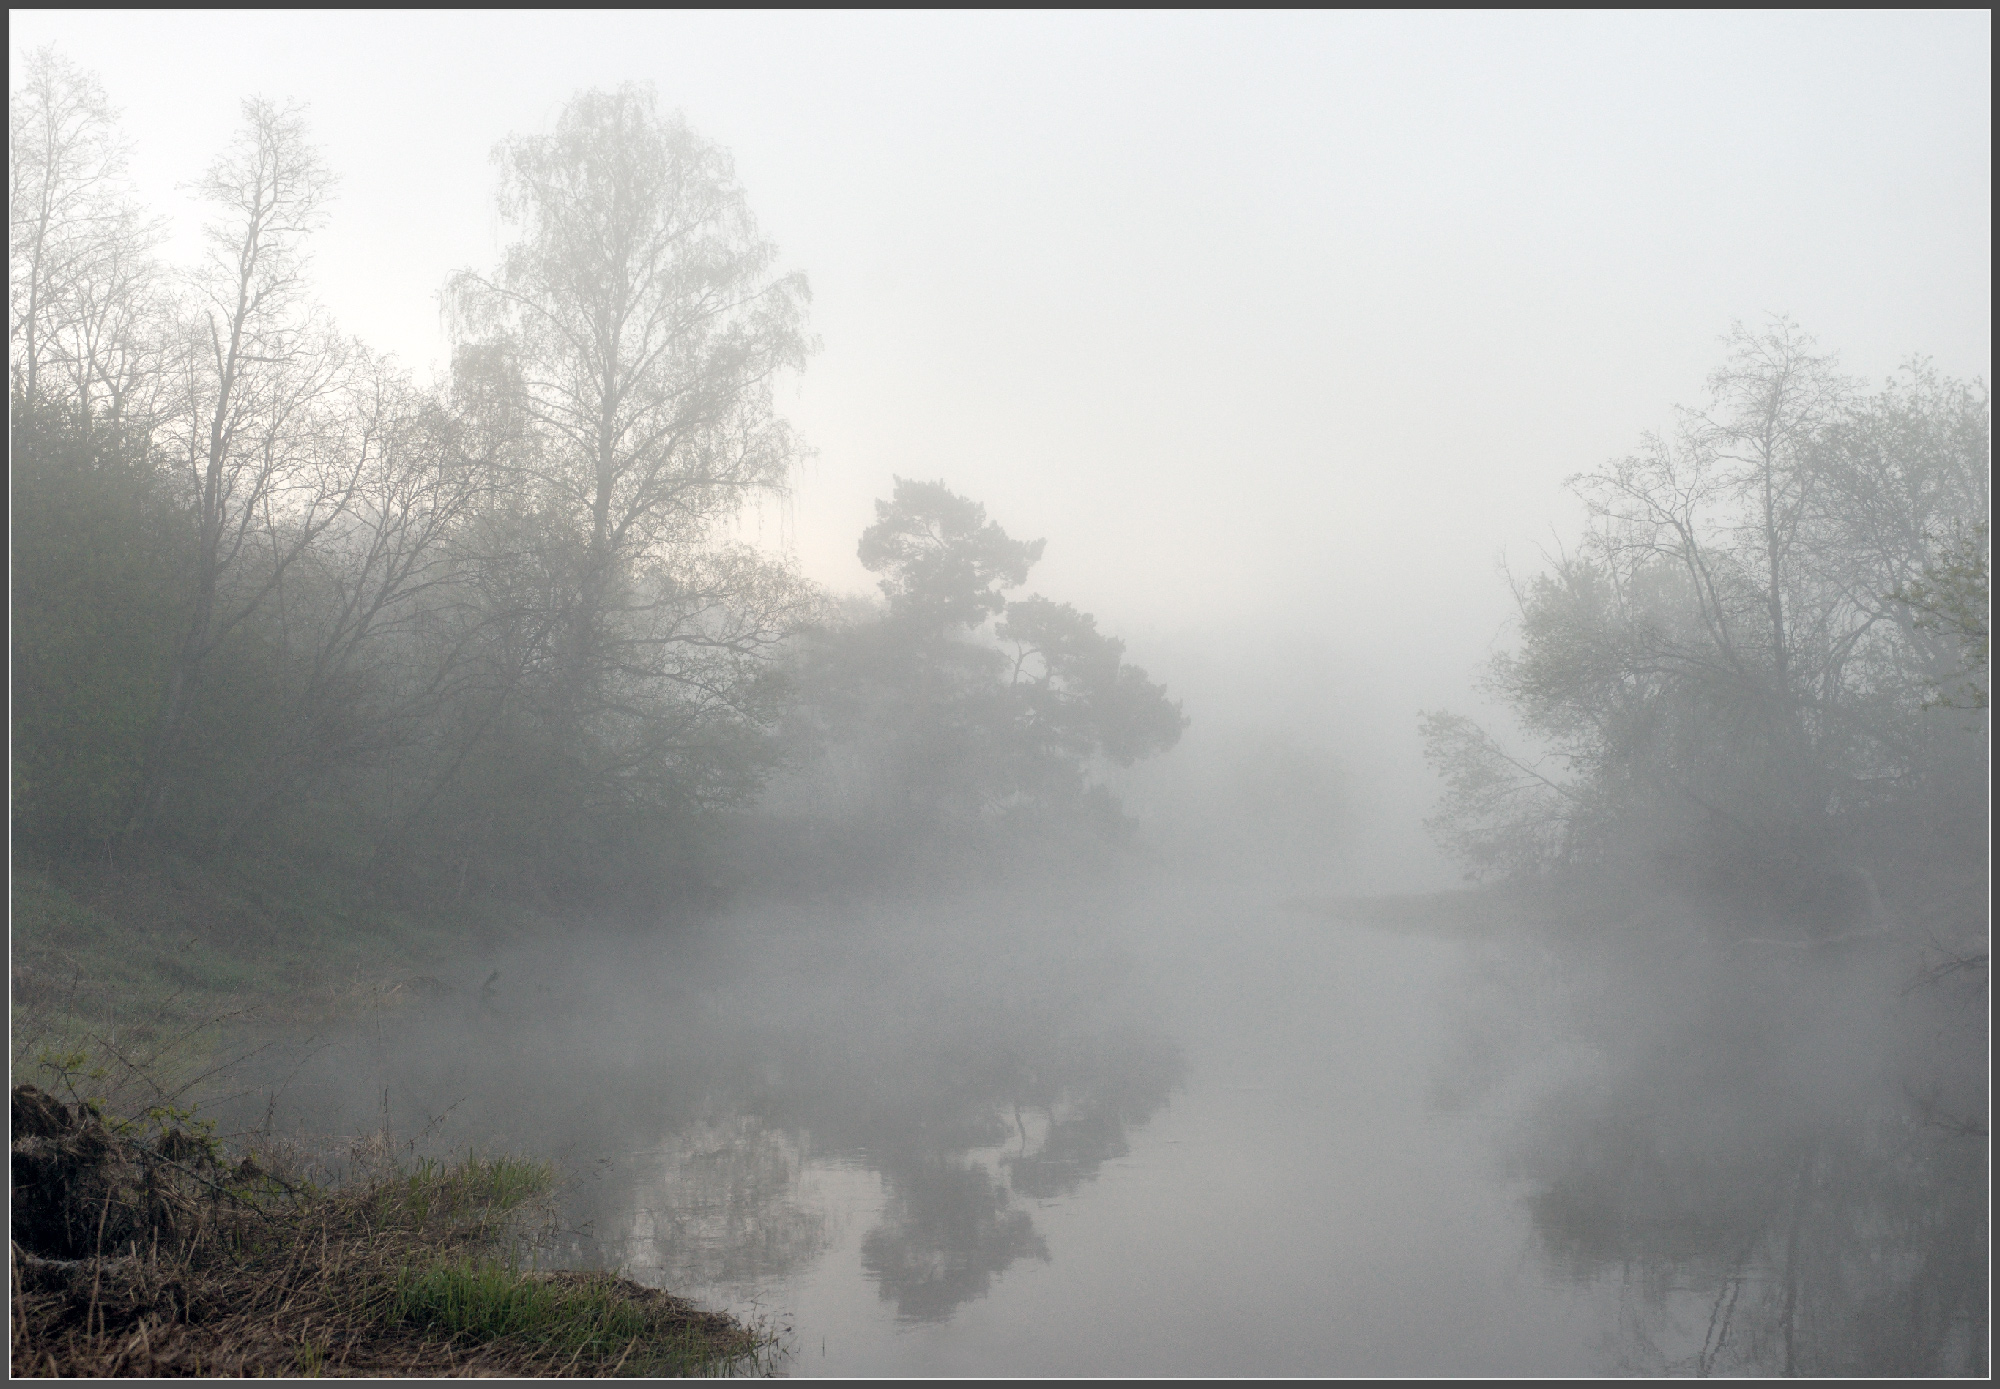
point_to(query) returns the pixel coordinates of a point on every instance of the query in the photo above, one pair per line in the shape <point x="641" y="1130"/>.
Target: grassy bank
<point x="127" y="974"/>
<point x="142" y="1248"/>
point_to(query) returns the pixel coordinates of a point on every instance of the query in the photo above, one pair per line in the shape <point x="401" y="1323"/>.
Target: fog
<point x="1476" y="865"/>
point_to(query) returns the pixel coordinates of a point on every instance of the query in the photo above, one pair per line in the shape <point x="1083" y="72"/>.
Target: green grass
<point x="487" y="1185"/>
<point x="157" y="943"/>
<point x="409" y="1271"/>
<point x="486" y="1301"/>
<point x="130" y="979"/>
<point x="588" y="1318"/>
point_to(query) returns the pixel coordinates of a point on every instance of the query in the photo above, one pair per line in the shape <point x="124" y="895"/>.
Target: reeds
<point x="143" y="1249"/>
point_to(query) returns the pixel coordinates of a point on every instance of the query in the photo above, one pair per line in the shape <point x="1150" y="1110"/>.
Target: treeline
<point x="1755" y="810"/>
<point x="271" y="595"/>
<point x="1761" y="677"/>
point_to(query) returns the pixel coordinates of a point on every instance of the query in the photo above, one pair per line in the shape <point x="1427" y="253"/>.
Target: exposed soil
<point x="139" y="1248"/>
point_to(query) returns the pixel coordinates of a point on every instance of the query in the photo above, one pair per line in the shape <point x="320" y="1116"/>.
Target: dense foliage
<point x="488" y="635"/>
<point x="1764" y="666"/>
<point x="950" y="702"/>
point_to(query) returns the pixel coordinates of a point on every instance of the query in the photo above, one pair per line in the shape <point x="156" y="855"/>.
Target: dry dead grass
<point x="139" y="1248"/>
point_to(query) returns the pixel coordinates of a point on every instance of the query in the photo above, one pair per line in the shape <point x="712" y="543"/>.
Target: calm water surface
<point x="1173" y="1130"/>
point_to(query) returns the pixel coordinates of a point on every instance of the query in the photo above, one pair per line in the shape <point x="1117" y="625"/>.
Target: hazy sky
<point x="1276" y="323"/>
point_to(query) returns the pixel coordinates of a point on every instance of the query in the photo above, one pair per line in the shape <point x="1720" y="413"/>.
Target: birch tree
<point x="648" y="326"/>
<point x="639" y="325"/>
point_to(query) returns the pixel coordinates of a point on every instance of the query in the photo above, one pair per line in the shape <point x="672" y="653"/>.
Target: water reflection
<point x="1782" y="1164"/>
<point x="965" y="1117"/>
<point x="712" y="1120"/>
<point x="1730" y="1163"/>
<point x="948" y="1229"/>
<point x="726" y="1202"/>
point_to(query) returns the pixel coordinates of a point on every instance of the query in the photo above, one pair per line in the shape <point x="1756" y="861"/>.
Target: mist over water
<point x="1142" y="1124"/>
<point x="1158" y="1119"/>
<point x="1045" y="695"/>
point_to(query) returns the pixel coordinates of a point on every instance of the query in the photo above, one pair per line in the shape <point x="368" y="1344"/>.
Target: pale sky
<point x="1288" y="325"/>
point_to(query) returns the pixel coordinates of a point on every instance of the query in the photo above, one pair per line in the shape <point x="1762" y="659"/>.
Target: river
<point x="1123" y="1127"/>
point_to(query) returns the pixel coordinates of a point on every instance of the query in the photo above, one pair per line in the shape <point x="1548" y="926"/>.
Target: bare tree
<point x="83" y="314"/>
<point x="261" y="431"/>
<point x="1714" y="524"/>
<point x="356" y="614"/>
<point x="1768" y="404"/>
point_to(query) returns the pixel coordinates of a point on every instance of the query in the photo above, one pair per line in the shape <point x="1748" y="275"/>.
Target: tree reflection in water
<point x="729" y="1205"/>
<point x="964" y="1110"/>
<point x="951" y="1224"/>
<point x="705" y="1103"/>
<point x="948" y="1229"/>
<point x="1783" y="1162"/>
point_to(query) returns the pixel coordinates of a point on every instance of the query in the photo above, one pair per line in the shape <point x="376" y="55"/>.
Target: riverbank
<point x="144" y="1244"/>
<point x="127" y="975"/>
<point x="141" y="1246"/>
